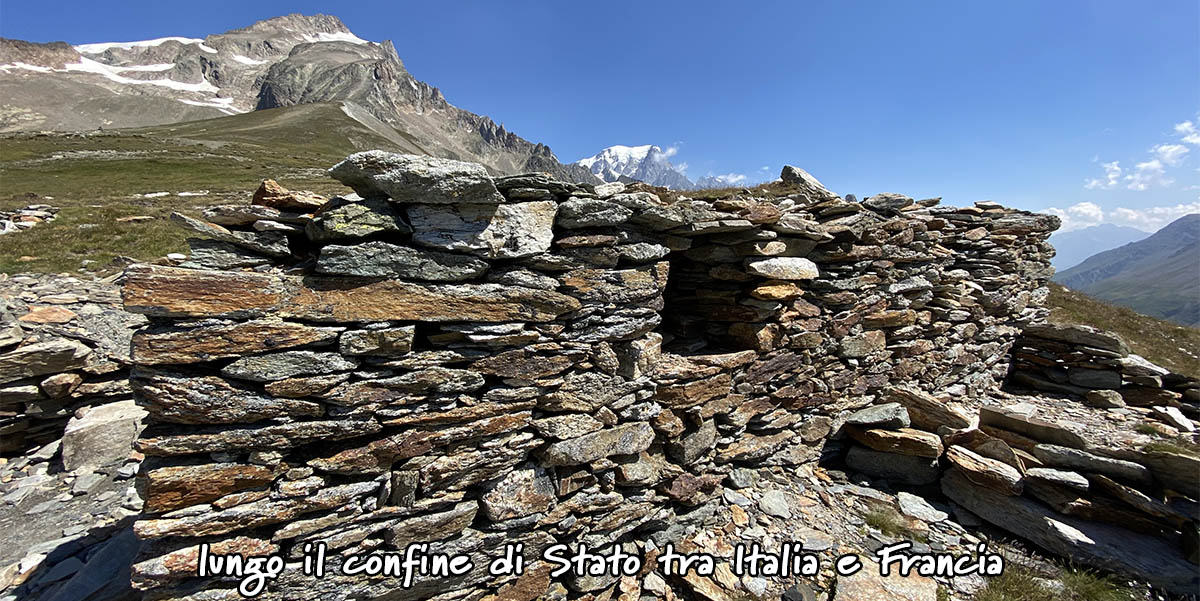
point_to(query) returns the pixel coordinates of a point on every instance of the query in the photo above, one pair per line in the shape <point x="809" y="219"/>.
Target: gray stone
<point x="408" y="178"/>
<point x="587" y="212"/>
<point x="626" y="439"/>
<point x="287" y="364"/>
<point x="1104" y="399"/>
<point x="523" y="491"/>
<point x="1173" y="417"/>
<point x="809" y="185"/>
<point x="609" y="189"/>
<point x="492" y="231"/>
<point x="380" y="259"/>
<point x="41" y="358"/>
<point x="1081" y="335"/>
<point x="1060" y="477"/>
<point x="783" y="268"/>
<point x="214" y="254"/>
<point x="1089" y="543"/>
<point x="742" y="477"/>
<point x="774" y="502"/>
<point x="887" y="202"/>
<point x="1094" y="378"/>
<point x="917" y="507"/>
<point x="887" y="415"/>
<point x="1136" y="365"/>
<point x="900" y="469"/>
<point x="1038" y="429"/>
<point x="272" y="244"/>
<point x="385" y="342"/>
<point x="1075" y="459"/>
<point x="570" y="425"/>
<point x="694" y="444"/>
<point x="341" y="218"/>
<point x="101" y="435"/>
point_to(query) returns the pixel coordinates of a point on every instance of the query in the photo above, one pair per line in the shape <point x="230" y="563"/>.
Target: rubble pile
<point x="25" y="218"/>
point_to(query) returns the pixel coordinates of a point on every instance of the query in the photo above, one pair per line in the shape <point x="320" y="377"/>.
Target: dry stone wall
<point x="1096" y="366"/>
<point x="470" y="362"/>
<point x="64" y="350"/>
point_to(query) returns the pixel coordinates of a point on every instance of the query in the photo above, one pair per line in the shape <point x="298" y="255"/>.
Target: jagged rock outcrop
<point x="280" y="62"/>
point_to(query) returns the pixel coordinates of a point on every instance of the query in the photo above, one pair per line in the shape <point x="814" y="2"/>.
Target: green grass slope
<point x="1158" y="276"/>
<point x="1170" y="345"/>
<point x="96" y="178"/>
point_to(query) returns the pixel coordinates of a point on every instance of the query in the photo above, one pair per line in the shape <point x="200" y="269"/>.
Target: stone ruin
<point x="449" y="358"/>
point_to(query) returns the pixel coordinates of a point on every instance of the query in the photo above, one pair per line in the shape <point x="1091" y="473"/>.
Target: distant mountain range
<point x="280" y="62"/>
<point x="650" y="164"/>
<point x="1074" y="246"/>
<point x="1158" y="276"/>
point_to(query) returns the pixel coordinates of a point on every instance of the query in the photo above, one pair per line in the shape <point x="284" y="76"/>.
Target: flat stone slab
<point x="1090" y="543"/>
<point x="410" y="178"/>
<point x="177" y="292"/>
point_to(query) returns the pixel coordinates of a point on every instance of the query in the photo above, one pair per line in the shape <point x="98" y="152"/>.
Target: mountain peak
<point x="296" y="22"/>
<point x="647" y="163"/>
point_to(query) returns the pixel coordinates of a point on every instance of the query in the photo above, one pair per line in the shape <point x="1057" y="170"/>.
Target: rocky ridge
<point x="284" y="61"/>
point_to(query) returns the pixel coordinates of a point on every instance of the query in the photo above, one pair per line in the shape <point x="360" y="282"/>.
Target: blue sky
<point x="1086" y="107"/>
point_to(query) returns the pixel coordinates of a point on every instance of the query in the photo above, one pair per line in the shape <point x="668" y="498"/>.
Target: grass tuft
<point x="890" y="522"/>
<point x="1018" y="583"/>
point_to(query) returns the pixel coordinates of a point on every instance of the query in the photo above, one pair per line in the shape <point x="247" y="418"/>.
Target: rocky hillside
<point x="1072" y="248"/>
<point x="285" y="61"/>
<point x="1158" y="276"/>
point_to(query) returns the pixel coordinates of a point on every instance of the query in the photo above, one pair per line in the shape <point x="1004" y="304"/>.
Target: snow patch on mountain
<point x="104" y="46"/>
<point x="88" y="65"/>
<point x="647" y="163"/>
<point x="341" y="36"/>
<point x="245" y="60"/>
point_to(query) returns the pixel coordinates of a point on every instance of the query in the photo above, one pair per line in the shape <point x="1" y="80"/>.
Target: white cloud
<point x="1187" y="129"/>
<point x="1170" y="154"/>
<point x="1149" y="219"/>
<point x="1112" y="177"/>
<point x="1078" y="216"/>
<point x="670" y="151"/>
<point x="682" y="167"/>
<point x="1146" y="175"/>
<point x="732" y="178"/>
<point x="1152" y="172"/>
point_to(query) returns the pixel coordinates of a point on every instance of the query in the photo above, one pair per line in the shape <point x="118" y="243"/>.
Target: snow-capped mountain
<point x="647" y="163"/>
<point x="720" y="181"/>
<point x="280" y="62"/>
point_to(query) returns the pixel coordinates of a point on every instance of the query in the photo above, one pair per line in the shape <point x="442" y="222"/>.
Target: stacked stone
<point x="1132" y="511"/>
<point x="901" y="439"/>
<point x="63" y="349"/>
<point x="847" y="298"/>
<point x="448" y="358"/>
<point x="1097" y="366"/>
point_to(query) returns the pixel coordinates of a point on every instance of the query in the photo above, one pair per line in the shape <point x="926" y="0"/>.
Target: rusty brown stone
<point x="169" y="488"/>
<point x="271" y="194"/>
<point x="207" y="343"/>
<point x="904" y="441"/>
<point x="177" y="292"/>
